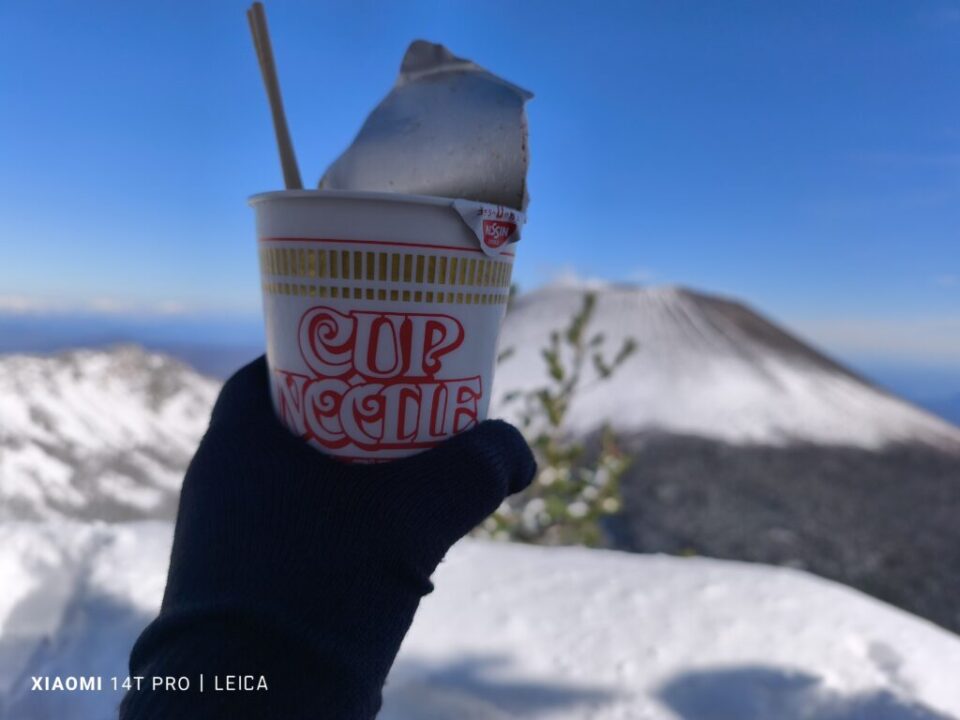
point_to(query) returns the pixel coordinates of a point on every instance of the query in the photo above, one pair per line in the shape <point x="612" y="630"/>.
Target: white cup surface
<point x="382" y="316"/>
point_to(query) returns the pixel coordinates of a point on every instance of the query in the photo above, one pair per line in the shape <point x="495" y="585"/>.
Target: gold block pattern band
<point x="376" y="266"/>
<point x="385" y="295"/>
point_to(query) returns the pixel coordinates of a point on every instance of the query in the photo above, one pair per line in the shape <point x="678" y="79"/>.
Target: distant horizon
<point x="215" y="343"/>
<point x="839" y="335"/>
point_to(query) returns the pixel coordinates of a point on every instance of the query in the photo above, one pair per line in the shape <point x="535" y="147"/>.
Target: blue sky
<point x="804" y="157"/>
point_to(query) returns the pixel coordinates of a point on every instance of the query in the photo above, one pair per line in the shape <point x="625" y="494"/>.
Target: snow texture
<point x="95" y="433"/>
<point x="709" y="367"/>
<point x="517" y="632"/>
<point x="107" y="434"/>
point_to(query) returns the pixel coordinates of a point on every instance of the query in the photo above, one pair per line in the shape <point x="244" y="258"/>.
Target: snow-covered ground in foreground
<point x="518" y="632"/>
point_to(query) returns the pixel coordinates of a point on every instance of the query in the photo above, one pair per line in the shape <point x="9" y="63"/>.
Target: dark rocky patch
<point x="885" y="522"/>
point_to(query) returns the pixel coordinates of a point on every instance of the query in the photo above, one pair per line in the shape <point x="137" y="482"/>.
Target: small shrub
<point x="571" y="494"/>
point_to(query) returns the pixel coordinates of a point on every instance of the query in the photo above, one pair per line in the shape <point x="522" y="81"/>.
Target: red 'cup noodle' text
<point x="374" y="381"/>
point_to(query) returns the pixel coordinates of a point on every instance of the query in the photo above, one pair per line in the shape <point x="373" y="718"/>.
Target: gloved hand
<point x="288" y="563"/>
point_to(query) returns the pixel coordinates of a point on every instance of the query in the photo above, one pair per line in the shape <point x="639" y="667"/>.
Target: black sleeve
<point x="295" y="576"/>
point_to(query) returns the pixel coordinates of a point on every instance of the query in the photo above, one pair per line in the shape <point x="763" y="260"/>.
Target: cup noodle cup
<point x="382" y="315"/>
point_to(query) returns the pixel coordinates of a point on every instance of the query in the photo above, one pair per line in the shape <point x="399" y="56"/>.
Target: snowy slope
<point x="710" y="367"/>
<point x="102" y="434"/>
<point x="518" y="632"/>
<point x="106" y="434"/>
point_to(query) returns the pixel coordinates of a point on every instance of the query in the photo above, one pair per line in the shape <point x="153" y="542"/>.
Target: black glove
<point x="307" y="571"/>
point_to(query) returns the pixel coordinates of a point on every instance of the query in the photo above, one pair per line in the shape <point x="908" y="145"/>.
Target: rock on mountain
<point x="102" y="434"/>
<point x="709" y="367"/>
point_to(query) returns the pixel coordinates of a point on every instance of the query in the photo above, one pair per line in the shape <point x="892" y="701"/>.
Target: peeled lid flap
<point x="495" y="226"/>
<point x="448" y="128"/>
<point x="423" y="59"/>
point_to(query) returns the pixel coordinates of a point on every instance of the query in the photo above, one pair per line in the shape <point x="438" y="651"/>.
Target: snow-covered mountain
<point x="516" y="632"/>
<point x="748" y="444"/>
<point x="751" y="445"/>
<point x="709" y="367"/>
<point x="107" y="433"/>
<point x="100" y="434"/>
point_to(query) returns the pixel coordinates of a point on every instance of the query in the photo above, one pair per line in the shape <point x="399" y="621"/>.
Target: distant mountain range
<point x="747" y="443"/>
<point x="97" y="434"/>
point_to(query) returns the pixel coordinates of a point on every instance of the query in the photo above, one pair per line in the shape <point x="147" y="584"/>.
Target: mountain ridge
<point x="710" y="366"/>
<point x="106" y="434"/>
<point x="97" y="434"/>
<point x="749" y="444"/>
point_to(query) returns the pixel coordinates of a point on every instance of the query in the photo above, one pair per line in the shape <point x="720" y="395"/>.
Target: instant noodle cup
<point x="382" y="315"/>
